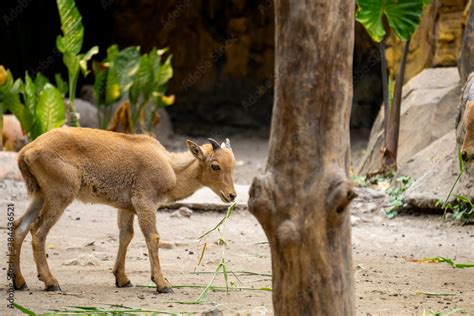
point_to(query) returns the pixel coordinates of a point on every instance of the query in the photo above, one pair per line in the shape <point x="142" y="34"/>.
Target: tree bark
<point x="302" y="199"/>
<point x="466" y="57"/>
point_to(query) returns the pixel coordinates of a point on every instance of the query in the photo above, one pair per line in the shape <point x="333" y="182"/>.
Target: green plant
<point x="145" y="78"/>
<point x="360" y="181"/>
<point x="113" y="79"/>
<point x="37" y="104"/>
<point x="70" y="45"/>
<point x="221" y="228"/>
<point x="113" y="309"/>
<point x="149" y="89"/>
<point x="402" y="17"/>
<point x="396" y="195"/>
<point x="462" y="207"/>
<point x="447" y="261"/>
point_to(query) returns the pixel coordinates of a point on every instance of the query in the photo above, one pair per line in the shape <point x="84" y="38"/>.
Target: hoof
<point x="22" y="287"/>
<point x="128" y="284"/>
<point x="165" y="290"/>
<point x="53" y="288"/>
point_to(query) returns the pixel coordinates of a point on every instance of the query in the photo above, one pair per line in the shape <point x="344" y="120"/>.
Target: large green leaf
<point x="50" y="112"/>
<point x="144" y="79"/>
<point x="12" y="102"/>
<point x="30" y="96"/>
<point x="112" y="52"/>
<point x="10" y="99"/>
<point x="121" y="72"/>
<point x="61" y="84"/>
<point x="403" y="16"/>
<point x="100" y="81"/>
<point x="71" y="25"/>
<point x="40" y="82"/>
<point x="101" y="72"/>
<point x="166" y="72"/>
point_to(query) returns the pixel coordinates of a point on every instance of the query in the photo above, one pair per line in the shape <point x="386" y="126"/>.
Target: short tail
<point x="30" y="180"/>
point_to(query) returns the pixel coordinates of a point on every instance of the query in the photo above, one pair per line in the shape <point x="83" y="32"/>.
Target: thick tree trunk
<point x="466" y="58"/>
<point x="302" y="200"/>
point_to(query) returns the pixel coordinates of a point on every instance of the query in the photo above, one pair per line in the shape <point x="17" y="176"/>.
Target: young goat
<point x="133" y="173"/>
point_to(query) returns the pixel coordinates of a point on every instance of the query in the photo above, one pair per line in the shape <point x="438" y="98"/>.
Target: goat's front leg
<point x="146" y="213"/>
<point x="125" y="224"/>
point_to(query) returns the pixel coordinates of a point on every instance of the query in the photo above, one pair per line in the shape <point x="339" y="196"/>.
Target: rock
<point x="369" y="194"/>
<point x="87" y="113"/>
<point x="182" y="212"/>
<point x="83" y="260"/>
<point x="9" y="167"/>
<point x="365" y="207"/>
<point x="12" y="134"/>
<point x="214" y="312"/>
<point x="429" y="100"/>
<point x="435" y="169"/>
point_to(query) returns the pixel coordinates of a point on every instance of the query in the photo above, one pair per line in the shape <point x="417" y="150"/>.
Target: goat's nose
<point x="464" y="155"/>
<point x="232" y="196"/>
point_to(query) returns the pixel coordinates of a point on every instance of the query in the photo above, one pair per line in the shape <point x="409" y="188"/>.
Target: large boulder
<point x="87" y="113"/>
<point x="429" y="109"/>
<point x="435" y="168"/>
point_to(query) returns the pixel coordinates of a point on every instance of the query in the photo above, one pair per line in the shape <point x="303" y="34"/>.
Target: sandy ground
<point x="387" y="282"/>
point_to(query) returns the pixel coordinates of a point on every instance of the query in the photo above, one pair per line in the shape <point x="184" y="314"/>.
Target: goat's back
<point x="106" y="164"/>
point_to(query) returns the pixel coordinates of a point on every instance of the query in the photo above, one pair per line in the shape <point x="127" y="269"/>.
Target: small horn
<point x="227" y="144"/>
<point x="214" y="143"/>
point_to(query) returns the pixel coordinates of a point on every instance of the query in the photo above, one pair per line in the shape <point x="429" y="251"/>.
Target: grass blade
<point x="24" y="310"/>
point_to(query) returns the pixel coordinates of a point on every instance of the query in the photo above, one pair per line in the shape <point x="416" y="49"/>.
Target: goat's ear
<point x="195" y="149"/>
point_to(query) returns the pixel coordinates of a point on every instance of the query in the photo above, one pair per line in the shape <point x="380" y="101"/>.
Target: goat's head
<point x="467" y="149"/>
<point x="217" y="162"/>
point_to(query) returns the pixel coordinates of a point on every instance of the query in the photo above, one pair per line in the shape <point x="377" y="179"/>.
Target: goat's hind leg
<point x="60" y="183"/>
<point x="125" y="224"/>
<point x="52" y="210"/>
<point x="21" y="227"/>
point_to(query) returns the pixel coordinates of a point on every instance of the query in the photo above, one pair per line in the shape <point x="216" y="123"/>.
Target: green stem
<point x="72" y="96"/>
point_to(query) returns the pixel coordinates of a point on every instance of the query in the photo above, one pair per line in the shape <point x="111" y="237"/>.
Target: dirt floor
<point x="387" y="281"/>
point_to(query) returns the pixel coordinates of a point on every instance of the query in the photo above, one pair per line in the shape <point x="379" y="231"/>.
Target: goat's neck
<point x="188" y="172"/>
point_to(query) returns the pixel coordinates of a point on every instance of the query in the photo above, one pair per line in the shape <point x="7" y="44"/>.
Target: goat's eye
<point x="215" y="167"/>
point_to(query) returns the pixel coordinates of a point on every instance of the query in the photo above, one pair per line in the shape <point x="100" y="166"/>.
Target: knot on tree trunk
<point x="340" y="194"/>
<point x="288" y="233"/>
<point x="261" y="203"/>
